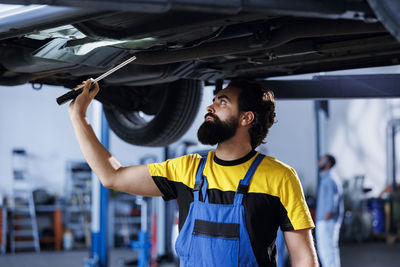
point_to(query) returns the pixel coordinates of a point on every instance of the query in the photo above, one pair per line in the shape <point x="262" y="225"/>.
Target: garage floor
<point x="66" y="259"/>
<point x="370" y="255"/>
<point x="366" y="255"/>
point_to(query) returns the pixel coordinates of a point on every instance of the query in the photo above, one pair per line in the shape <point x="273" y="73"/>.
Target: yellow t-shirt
<point x="275" y="197"/>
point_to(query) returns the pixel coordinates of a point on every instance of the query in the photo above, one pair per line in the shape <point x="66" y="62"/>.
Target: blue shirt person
<point x="329" y="213"/>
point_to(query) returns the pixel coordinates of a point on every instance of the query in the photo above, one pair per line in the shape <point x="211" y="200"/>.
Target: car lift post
<point x="99" y="250"/>
<point x="321" y="111"/>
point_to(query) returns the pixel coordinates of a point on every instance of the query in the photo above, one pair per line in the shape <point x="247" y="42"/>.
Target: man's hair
<point x="253" y="97"/>
<point x="331" y="160"/>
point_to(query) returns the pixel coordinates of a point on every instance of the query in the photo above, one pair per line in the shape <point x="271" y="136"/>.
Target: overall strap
<point x="243" y="186"/>
<point x="200" y="180"/>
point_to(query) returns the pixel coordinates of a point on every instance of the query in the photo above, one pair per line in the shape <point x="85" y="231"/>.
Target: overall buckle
<point x="242" y="189"/>
<point x="198" y="185"/>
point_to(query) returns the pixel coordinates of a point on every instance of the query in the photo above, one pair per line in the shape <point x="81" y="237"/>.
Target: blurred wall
<point x="357" y="137"/>
<point x="32" y="120"/>
<point x="292" y="139"/>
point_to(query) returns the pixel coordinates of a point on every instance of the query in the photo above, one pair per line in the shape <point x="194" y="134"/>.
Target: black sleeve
<point x="167" y="188"/>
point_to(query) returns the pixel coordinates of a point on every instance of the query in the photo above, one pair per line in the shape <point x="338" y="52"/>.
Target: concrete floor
<point x="352" y="255"/>
<point x="117" y="258"/>
<point x="370" y="255"/>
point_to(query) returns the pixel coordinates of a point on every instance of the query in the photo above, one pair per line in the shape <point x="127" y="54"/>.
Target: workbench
<point x="55" y="211"/>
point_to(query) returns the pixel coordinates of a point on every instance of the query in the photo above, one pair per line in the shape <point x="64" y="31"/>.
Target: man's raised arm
<point x="134" y="179"/>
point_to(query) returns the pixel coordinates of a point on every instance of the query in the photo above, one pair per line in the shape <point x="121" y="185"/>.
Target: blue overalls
<point x="216" y="234"/>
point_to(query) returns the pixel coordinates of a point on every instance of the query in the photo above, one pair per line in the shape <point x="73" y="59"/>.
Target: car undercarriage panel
<point x="187" y="40"/>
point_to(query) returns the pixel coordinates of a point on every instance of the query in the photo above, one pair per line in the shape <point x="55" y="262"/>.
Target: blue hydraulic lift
<point x="99" y="250"/>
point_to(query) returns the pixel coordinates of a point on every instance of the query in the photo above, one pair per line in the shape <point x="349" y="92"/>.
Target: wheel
<point x="388" y="12"/>
<point x="153" y="115"/>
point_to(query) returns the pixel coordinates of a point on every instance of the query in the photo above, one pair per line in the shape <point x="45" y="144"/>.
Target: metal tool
<point x="78" y="90"/>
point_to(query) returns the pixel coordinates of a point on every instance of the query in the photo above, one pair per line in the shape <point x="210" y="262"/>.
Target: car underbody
<point x="183" y="43"/>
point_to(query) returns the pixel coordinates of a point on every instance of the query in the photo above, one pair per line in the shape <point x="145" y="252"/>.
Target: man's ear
<point x="246" y="118"/>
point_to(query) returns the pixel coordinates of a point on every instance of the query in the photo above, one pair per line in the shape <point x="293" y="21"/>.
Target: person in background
<point x="329" y="213"/>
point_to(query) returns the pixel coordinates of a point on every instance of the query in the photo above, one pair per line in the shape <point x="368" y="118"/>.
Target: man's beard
<point x="217" y="131"/>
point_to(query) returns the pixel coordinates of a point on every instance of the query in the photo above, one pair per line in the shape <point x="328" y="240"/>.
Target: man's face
<point x="323" y="163"/>
<point x="222" y="118"/>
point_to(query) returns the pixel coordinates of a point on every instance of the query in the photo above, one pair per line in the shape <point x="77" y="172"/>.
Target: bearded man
<point x="231" y="202"/>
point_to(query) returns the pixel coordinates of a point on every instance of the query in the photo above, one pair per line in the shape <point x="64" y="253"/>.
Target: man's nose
<point x="210" y="109"/>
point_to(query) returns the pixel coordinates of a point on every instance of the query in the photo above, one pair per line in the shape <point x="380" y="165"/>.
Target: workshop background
<point x="355" y="131"/>
<point x="53" y="210"/>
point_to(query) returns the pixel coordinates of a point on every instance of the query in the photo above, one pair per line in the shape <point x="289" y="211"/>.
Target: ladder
<point x="23" y="225"/>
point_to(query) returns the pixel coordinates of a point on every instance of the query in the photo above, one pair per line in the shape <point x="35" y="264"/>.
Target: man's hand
<point x="79" y="106"/>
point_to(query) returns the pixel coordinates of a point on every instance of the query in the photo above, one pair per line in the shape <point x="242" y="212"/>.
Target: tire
<point x="173" y="117"/>
<point x="388" y="12"/>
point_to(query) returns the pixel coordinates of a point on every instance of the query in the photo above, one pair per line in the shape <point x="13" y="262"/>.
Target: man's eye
<point x="223" y="102"/>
